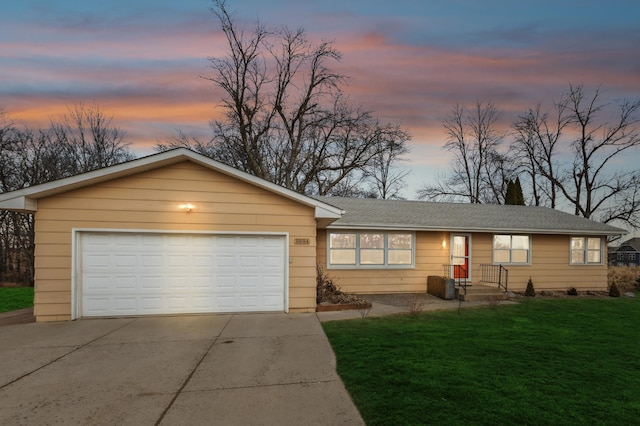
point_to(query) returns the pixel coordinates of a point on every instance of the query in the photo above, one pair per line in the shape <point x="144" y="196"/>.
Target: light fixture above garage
<point x="186" y="207"/>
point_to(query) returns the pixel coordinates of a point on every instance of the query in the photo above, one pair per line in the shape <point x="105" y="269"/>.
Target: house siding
<point x="549" y="268"/>
<point x="149" y="201"/>
<point x="429" y="258"/>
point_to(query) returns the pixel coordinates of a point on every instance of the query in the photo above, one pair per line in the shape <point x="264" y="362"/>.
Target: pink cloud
<point x="149" y="77"/>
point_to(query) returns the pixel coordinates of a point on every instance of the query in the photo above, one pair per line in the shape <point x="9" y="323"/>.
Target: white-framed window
<point x="586" y="250"/>
<point x="512" y="249"/>
<point x="370" y="249"/>
<point x="632" y="256"/>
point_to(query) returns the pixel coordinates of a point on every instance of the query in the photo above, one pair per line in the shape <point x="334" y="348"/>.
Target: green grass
<point x="12" y="298"/>
<point x="551" y="362"/>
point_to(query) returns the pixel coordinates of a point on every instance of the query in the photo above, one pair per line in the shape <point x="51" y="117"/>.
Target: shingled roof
<point x="368" y="213"/>
<point x="630" y="245"/>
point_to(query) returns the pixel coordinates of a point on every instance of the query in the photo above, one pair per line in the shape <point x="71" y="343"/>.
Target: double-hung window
<point x="586" y="250"/>
<point x="512" y="249"/>
<point x="370" y="249"/>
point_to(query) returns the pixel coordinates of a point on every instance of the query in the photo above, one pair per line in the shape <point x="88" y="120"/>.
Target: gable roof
<point x="369" y="213"/>
<point x="632" y="244"/>
<point x="26" y="199"/>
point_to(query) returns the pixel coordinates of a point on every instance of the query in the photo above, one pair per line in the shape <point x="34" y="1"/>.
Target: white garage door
<point x="138" y="274"/>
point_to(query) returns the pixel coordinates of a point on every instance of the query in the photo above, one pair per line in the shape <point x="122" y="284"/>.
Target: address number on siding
<point x="301" y="241"/>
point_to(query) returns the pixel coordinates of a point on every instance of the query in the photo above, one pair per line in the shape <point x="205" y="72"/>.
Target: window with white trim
<point x="370" y="249"/>
<point x="511" y="249"/>
<point x="586" y="250"/>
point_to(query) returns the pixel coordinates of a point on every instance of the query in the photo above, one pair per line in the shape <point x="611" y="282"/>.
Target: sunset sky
<point x="408" y="61"/>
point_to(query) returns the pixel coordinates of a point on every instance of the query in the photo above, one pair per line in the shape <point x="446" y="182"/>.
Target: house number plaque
<point x="301" y="241"/>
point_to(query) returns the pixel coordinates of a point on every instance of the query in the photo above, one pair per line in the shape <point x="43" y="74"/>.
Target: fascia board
<point x="19" y="204"/>
<point x="150" y="162"/>
<point x="398" y="227"/>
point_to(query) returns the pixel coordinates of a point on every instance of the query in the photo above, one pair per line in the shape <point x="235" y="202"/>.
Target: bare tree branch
<point x="286" y="118"/>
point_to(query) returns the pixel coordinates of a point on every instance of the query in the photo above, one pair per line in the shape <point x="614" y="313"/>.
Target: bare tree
<point x="591" y="185"/>
<point x="90" y="139"/>
<point x="286" y="119"/>
<point x="27" y="158"/>
<point x="81" y="141"/>
<point x="596" y="135"/>
<point x="479" y="170"/>
<point x="387" y="181"/>
<point x="536" y="145"/>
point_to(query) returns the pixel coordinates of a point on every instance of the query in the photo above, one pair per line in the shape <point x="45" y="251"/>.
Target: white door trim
<point x="468" y="256"/>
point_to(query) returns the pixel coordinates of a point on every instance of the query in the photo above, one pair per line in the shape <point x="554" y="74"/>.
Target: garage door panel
<point x="153" y="282"/>
<point x="98" y="305"/>
<point x="123" y="283"/>
<point x="152" y="303"/>
<point x="97" y="261"/>
<point x="137" y="274"/>
<point x="271" y="282"/>
<point x="272" y="300"/>
<point x="249" y="261"/>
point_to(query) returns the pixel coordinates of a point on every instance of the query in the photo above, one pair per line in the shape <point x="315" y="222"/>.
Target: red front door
<point x="461" y="256"/>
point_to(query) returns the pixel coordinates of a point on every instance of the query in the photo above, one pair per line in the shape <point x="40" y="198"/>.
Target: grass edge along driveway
<point x="550" y="361"/>
<point x="12" y="298"/>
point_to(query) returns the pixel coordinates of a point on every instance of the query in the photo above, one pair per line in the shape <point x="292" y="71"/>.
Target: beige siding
<point x="149" y="201"/>
<point x="549" y="269"/>
<point x="429" y="258"/>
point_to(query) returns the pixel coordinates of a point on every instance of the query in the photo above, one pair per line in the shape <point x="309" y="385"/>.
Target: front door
<point x="461" y="256"/>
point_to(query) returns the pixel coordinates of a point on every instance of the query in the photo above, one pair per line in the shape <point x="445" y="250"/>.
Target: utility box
<point x="444" y="288"/>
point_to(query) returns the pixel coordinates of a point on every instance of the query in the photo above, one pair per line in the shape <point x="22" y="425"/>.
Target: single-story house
<point x="177" y="232"/>
<point x="626" y="254"/>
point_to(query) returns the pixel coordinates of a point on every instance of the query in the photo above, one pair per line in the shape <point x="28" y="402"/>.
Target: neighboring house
<point x="177" y="232"/>
<point x="626" y="254"/>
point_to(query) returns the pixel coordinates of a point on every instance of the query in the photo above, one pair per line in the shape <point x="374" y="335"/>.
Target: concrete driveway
<point x="266" y="369"/>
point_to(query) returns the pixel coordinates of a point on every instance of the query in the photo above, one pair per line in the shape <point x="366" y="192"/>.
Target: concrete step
<point x="480" y="293"/>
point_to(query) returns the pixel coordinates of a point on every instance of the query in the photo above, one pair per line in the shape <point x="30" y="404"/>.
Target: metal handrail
<point x="460" y="271"/>
<point x="495" y="274"/>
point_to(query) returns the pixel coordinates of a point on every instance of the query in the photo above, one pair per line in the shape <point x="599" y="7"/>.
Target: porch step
<point x="480" y="293"/>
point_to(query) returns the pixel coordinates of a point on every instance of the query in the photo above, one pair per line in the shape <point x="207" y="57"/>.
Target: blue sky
<point x="408" y="61"/>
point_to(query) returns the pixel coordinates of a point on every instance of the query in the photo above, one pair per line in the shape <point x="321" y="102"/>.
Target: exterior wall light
<point x="186" y="207"/>
<point x="444" y="243"/>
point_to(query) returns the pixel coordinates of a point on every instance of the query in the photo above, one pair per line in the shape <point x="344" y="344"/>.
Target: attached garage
<point x="170" y="233"/>
<point x="151" y="273"/>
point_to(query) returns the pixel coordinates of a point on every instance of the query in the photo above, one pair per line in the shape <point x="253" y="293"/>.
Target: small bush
<point x="415" y="305"/>
<point x="494" y="301"/>
<point x="530" y="291"/>
<point x="572" y="291"/>
<point x="614" y="291"/>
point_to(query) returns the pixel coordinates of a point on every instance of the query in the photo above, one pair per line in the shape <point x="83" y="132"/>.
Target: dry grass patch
<point x="625" y="278"/>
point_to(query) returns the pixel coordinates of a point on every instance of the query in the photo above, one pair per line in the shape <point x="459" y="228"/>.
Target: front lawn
<point x="551" y="361"/>
<point x="12" y="298"/>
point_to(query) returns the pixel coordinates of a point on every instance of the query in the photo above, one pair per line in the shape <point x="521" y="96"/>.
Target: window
<point x="632" y="256"/>
<point x="370" y="249"/>
<point x="511" y="249"/>
<point x="586" y="250"/>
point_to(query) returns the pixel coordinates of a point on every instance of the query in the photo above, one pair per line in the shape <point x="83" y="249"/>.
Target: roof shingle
<point x="419" y="215"/>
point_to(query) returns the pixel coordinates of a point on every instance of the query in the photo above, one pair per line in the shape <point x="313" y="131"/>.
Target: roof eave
<point x="20" y="204"/>
<point x="404" y="227"/>
<point x="25" y="199"/>
<point x="322" y="210"/>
